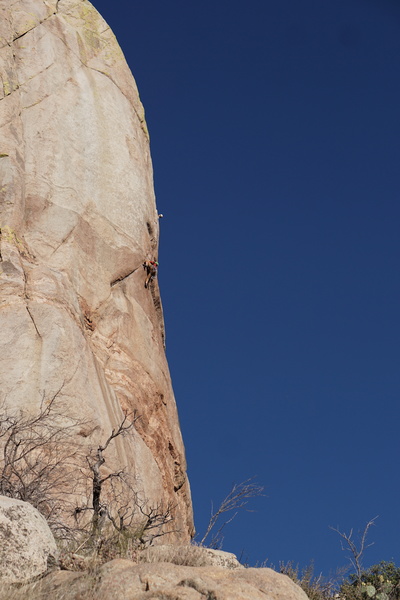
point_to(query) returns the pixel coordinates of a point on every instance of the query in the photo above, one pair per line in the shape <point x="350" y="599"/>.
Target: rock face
<point x="26" y="542"/>
<point x="122" y="579"/>
<point x="77" y="220"/>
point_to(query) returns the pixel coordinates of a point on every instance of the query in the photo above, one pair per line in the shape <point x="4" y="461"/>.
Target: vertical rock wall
<point x="77" y="219"/>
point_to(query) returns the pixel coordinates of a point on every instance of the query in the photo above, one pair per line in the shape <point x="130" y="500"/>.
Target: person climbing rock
<point x="150" y="266"/>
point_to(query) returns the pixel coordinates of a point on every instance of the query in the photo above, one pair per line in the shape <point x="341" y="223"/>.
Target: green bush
<point x="379" y="582"/>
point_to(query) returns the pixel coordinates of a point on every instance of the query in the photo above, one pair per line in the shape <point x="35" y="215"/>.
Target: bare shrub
<point x="356" y="548"/>
<point x="99" y="500"/>
<point x="237" y="498"/>
<point x="37" y="451"/>
<point x="93" y="510"/>
<point x="120" y="520"/>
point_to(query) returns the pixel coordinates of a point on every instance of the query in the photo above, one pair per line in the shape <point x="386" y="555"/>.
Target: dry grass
<point x="59" y="585"/>
<point x="34" y="591"/>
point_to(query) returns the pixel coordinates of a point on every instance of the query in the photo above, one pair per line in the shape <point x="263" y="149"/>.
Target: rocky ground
<point x="122" y="579"/>
<point x="33" y="569"/>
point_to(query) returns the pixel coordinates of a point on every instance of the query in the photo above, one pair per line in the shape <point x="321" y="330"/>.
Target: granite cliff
<point x="77" y="220"/>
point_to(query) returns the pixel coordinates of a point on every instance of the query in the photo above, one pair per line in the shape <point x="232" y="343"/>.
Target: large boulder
<point x="189" y="556"/>
<point x="121" y="579"/>
<point x="77" y="219"/>
<point x="27" y="545"/>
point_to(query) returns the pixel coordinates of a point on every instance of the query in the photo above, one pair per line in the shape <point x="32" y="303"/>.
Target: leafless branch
<point x="237" y="498"/>
<point x="36" y="451"/>
<point x="349" y="544"/>
<point x="97" y="478"/>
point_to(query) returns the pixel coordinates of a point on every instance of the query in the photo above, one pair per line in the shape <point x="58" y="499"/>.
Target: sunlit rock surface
<point x="27" y="545"/>
<point x="77" y="219"/>
<point x="164" y="581"/>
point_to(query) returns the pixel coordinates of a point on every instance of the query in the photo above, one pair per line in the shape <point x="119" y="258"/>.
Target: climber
<point x="150" y="266"/>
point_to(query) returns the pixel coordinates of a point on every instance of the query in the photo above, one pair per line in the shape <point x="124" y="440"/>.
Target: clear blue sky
<point x="275" y="136"/>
